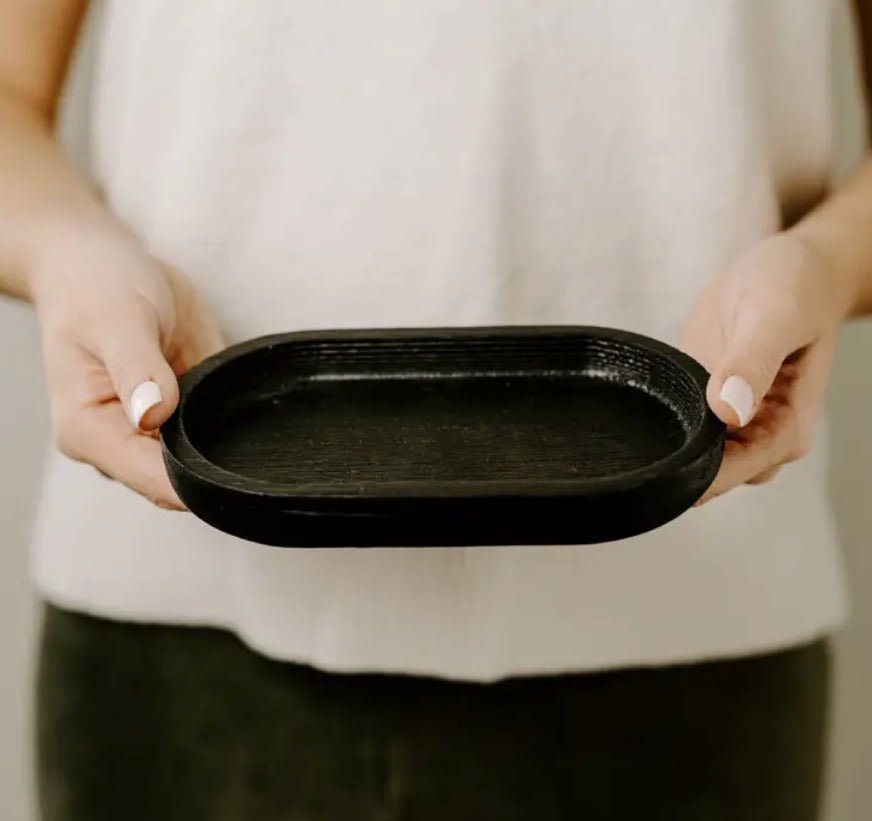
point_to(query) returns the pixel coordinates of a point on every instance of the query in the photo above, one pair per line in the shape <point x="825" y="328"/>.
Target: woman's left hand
<point x="766" y="331"/>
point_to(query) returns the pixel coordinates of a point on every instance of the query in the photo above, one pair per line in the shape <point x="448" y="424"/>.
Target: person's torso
<point x="457" y="163"/>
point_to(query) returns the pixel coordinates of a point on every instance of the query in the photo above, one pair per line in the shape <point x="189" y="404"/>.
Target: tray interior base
<point x="344" y="432"/>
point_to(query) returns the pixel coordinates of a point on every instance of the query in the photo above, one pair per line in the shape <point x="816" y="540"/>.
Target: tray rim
<point x="180" y="451"/>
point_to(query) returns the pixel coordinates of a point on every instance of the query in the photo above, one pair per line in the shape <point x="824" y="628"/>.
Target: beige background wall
<point x="850" y="795"/>
<point x="23" y="421"/>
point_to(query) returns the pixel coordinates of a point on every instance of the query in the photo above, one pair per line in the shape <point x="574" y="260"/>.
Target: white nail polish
<point x="738" y="395"/>
<point x="145" y="395"/>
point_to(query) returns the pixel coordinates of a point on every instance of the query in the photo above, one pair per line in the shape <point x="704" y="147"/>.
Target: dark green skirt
<point x="162" y="723"/>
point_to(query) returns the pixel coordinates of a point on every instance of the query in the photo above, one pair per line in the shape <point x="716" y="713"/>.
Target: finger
<point x="766" y="476"/>
<point x="129" y="347"/>
<point x="807" y="392"/>
<point x="203" y="341"/>
<point x="756" y="347"/>
<point x="201" y="337"/>
<point x="743" y="462"/>
<point x="104" y="438"/>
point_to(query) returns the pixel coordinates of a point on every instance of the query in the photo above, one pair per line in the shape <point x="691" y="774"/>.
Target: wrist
<point x="823" y="260"/>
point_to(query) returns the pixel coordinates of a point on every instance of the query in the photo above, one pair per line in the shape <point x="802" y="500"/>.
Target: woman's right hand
<point x="118" y="327"/>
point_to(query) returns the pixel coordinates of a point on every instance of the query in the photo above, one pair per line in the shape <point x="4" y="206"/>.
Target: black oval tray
<point x="448" y="437"/>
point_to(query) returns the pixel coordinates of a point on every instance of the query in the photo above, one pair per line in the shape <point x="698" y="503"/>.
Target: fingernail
<point x="145" y="395"/>
<point x="737" y="393"/>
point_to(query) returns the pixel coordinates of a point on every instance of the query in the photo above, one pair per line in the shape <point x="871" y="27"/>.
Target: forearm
<point x="41" y="194"/>
<point x="840" y="233"/>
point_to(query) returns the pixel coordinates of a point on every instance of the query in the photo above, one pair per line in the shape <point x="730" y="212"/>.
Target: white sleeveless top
<point x="447" y="162"/>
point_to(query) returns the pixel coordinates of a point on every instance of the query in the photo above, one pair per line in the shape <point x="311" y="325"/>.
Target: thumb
<point x="143" y="380"/>
<point x="754" y="354"/>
